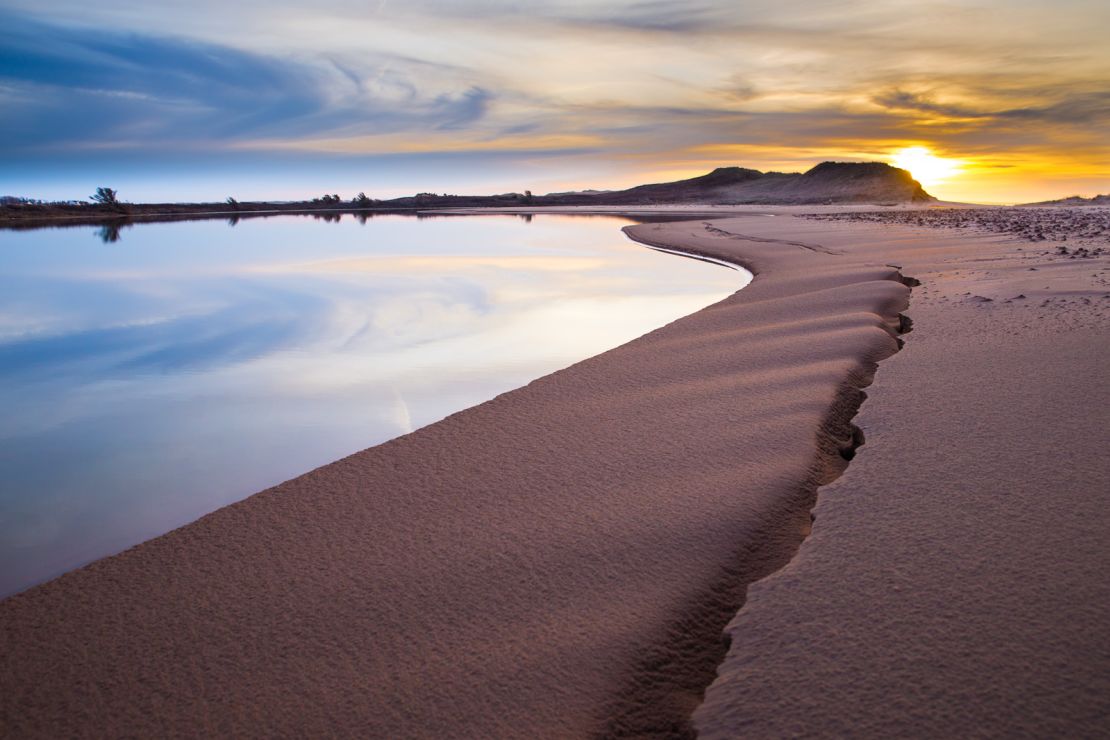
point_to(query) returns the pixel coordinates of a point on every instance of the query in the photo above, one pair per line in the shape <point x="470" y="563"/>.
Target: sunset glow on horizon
<point x="926" y="167"/>
<point x="276" y="100"/>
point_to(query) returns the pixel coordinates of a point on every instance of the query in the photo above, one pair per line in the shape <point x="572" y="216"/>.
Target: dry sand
<point x="559" y="561"/>
<point x="957" y="583"/>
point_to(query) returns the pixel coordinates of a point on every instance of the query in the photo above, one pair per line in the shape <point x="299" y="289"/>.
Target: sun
<point x="927" y="168"/>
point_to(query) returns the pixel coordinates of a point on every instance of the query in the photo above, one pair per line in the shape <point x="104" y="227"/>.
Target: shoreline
<point x="579" y="542"/>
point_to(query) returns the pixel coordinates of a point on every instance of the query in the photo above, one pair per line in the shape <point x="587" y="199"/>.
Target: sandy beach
<point x="562" y="560"/>
<point x="955" y="583"/>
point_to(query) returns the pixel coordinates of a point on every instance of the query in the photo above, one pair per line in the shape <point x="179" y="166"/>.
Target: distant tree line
<point x="16" y="200"/>
<point x="102" y="196"/>
<point x="107" y="198"/>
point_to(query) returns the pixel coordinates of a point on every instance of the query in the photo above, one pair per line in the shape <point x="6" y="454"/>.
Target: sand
<point x="560" y="561"/>
<point x="956" y="583"/>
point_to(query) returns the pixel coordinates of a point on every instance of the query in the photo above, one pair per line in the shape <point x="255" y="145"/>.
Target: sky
<point x="175" y="101"/>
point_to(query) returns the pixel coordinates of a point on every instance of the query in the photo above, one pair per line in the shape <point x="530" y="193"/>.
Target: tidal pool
<point x="153" y="374"/>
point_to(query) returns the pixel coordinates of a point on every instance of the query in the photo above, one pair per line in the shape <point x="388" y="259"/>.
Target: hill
<point x="1075" y="200"/>
<point x="828" y="182"/>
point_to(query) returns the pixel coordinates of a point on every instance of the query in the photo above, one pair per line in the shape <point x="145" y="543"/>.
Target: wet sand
<point x="561" y="560"/>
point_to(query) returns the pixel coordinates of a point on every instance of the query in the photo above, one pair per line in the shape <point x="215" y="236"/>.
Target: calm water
<point x="150" y="380"/>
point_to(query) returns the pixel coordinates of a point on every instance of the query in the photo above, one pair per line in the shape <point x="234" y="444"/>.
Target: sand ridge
<point x="955" y="582"/>
<point x="525" y="568"/>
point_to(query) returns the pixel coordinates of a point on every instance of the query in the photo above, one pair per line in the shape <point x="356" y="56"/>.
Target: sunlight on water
<point x="154" y="378"/>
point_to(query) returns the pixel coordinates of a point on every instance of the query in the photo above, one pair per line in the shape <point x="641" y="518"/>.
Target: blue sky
<point x="201" y="100"/>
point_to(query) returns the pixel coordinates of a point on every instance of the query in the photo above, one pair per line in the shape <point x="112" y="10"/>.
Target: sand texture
<point x="957" y="582"/>
<point x="557" y="562"/>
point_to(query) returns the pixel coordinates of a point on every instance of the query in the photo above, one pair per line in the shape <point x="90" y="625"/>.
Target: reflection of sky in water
<point x="150" y="380"/>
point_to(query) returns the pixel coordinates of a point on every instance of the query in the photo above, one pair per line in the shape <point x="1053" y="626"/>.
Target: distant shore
<point x="34" y="216"/>
<point x="560" y="561"/>
<point x="827" y="183"/>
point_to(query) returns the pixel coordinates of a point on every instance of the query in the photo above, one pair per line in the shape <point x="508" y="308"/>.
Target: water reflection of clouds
<point x="438" y="264"/>
<point x="187" y="367"/>
<point x="191" y="342"/>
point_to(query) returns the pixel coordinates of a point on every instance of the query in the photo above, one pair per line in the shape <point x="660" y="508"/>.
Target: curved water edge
<point x="182" y="366"/>
<point x="701" y="258"/>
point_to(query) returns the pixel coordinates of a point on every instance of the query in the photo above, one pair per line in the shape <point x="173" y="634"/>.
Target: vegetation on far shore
<point x="106" y="203"/>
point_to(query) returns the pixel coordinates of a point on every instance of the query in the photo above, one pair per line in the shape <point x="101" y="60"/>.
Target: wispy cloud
<point x="1072" y="107"/>
<point x="75" y="88"/>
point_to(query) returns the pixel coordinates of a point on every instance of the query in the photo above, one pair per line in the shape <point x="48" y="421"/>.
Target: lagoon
<point x="154" y="374"/>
